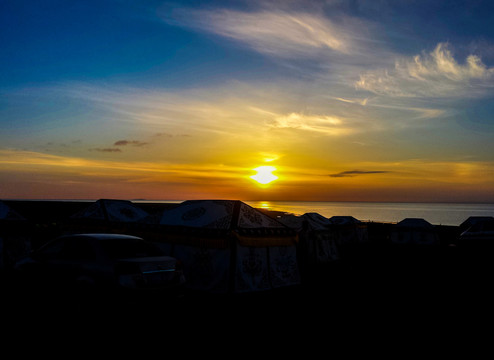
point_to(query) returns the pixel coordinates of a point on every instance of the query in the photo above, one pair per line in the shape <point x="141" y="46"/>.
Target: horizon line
<point x="264" y="200"/>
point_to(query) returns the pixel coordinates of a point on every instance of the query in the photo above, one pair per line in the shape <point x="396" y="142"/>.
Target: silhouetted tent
<point x="317" y="241"/>
<point x="7" y="214"/>
<point x="480" y="233"/>
<point x="14" y="236"/>
<point x="112" y="210"/>
<point x="348" y="230"/>
<point x="228" y="246"/>
<point x="106" y="215"/>
<point x="473" y="220"/>
<point x="414" y="231"/>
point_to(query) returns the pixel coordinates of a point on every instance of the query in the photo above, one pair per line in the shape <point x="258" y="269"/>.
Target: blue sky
<point x="348" y="100"/>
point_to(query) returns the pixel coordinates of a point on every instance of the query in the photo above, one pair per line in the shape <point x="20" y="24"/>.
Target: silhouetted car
<point x="101" y="261"/>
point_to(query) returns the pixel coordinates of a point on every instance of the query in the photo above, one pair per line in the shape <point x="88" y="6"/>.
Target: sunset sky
<point x="346" y="100"/>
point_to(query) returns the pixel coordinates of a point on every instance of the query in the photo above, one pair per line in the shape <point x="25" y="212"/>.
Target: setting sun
<point x="304" y="107"/>
<point x="264" y="175"/>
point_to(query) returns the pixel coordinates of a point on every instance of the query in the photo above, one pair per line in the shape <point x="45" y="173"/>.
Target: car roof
<point x="102" y="236"/>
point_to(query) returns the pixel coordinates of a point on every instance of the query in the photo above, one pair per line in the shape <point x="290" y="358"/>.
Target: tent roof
<point x="314" y="221"/>
<point x="218" y="214"/>
<point x="112" y="210"/>
<point x="343" y="220"/>
<point x="6" y="213"/>
<point x="481" y="224"/>
<point x="472" y="220"/>
<point x="414" y="222"/>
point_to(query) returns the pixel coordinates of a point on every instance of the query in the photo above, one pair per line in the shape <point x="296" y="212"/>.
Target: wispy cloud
<point x="275" y="32"/>
<point x="108" y="150"/>
<point x="434" y="74"/>
<point x="130" y="142"/>
<point x="118" y="144"/>
<point x="324" y="124"/>
<point x="226" y="110"/>
<point x="352" y="173"/>
<point x="17" y="159"/>
<point x="362" y="102"/>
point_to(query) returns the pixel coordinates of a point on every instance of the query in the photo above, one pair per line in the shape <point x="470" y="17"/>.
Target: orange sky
<point x="75" y="178"/>
<point x="177" y="102"/>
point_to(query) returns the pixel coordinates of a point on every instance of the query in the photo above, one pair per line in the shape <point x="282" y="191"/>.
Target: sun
<point x="264" y="175"/>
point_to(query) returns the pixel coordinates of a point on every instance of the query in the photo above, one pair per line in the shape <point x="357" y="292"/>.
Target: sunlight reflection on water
<point x="435" y="213"/>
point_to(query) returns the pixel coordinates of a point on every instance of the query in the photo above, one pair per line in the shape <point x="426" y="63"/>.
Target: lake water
<point x="435" y="213"/>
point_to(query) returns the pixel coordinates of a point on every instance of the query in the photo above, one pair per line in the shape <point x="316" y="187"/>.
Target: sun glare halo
<point x="264" y="175"/>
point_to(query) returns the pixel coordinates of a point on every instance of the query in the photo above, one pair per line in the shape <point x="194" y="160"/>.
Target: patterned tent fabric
<point x="200" y="214"/>
<point x="317" y="239"/>
<point x="112" y="210"/>
<point x="312" y="221"/>
<point x="251" y="218"/>
<point x="208" y="218"/>
<point x="228" y="246"/>
<point x="343" y="220"/>
<point x="218" y="214"/>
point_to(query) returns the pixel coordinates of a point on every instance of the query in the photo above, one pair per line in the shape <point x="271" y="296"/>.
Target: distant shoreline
<point x="274" y="201"/>
<point x="451" y="214"/>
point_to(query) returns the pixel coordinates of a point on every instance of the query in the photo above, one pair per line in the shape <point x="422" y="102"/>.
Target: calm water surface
<point x="435" y="213"/>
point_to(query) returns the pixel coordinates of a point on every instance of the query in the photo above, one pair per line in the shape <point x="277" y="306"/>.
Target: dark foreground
<point x="378" y="298"/>
<point x="431" y="305"/>
<point x="395" y="288"/>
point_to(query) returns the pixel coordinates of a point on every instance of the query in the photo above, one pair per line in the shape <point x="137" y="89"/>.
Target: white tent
<point x="348" y="230"/>
<point x="414" y="231"/>
<point x="317" y="240"/>
<point x="314" y="221"/>
<point x="228" y="246"/>
<point x="112" y="210"/>
<point x="104" y="215"/>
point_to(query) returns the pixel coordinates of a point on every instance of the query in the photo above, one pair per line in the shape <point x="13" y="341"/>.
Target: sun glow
<point x="264" y="175"/>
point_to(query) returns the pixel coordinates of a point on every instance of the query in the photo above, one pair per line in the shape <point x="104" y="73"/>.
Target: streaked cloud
<point x="352" y="173"/>
<point x="434" y="74"/>
<point x="224" y="110"/>
<point x="24" y="170"/>
<point x="362" y="102"/>
<point x="324" y="124"/>
<point x="18" y="159"/>
<point x="130" y="142"/>
<point x="326" y="92"/>
<point x="108" y="150"/>
<point x="275" y="32"/>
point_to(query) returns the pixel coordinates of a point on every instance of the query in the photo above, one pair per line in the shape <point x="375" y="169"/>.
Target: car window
<point x="52" y="249"/>
<point x="128" y="248"/>
<point x="69" y="248"/>
<point x="78" y="248"/>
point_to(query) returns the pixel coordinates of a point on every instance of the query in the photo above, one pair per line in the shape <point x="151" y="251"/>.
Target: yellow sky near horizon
<point x="344" y="107"/>
<point x="53" y="176"/>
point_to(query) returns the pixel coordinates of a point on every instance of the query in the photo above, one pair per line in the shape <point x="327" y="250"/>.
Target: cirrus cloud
<point x="274" y="32"/>
<point x="434" y="74"/>
<point x="324" y="124"/>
